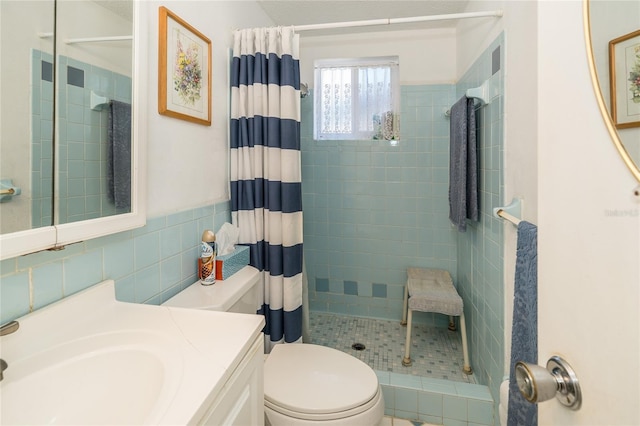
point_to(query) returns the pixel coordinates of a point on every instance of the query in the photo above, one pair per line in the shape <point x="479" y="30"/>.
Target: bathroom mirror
<point x="20" y="105"/>
<point x="70" y="140"/>
<point x="606" y="21"/>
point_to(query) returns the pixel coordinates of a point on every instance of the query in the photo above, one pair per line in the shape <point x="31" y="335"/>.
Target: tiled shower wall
<point x="480" y="249"/>
<point x="149" y="264"/>
<point x="81" y="144"/>
<point x="374" y="208"/>
<point x="41" y="138"/>
<point x="82" y="139"/>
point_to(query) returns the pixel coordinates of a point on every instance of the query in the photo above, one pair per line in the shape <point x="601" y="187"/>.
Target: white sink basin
<point x="113" y="378"/>
<point x="89" y="359"/>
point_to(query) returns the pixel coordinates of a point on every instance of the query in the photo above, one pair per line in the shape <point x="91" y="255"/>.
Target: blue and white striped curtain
<point x="266" y="188"/>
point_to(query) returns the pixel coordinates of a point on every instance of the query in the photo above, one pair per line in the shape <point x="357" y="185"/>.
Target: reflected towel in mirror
<point x="119" y="155"/>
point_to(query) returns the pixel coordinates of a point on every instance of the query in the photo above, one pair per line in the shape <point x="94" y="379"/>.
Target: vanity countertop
<point x="180" y="357"/>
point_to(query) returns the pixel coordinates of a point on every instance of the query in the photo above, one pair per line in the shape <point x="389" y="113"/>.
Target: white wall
<point x="589" y="278"/>
<point x="475" y="35"/>
<point x="187" y="163"/>
<point x="419" y="51"/>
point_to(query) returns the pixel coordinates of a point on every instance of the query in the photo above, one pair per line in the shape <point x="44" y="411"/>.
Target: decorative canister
<point x="207" y="260"/>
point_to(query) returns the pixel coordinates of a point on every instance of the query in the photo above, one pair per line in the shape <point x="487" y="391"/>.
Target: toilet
<point x="304" y="384"/>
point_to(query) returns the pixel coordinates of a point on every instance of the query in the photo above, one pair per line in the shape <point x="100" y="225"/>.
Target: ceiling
<point x="122" y="8"/>
<point x="304" y="12"/>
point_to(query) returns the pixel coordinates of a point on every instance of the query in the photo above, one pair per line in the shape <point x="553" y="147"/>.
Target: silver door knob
<point x="537" y="384"/>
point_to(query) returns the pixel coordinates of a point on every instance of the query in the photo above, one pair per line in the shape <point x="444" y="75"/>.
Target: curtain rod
<point x="389" y="21"/>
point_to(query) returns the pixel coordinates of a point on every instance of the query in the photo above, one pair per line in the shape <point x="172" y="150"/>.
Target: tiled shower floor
<point x="436" y="352"/>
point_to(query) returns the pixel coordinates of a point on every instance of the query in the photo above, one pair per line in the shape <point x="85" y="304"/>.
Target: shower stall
<point x="373" y="208"/>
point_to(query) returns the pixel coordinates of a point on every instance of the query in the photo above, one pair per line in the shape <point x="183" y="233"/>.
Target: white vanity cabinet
<point x="241" y="400"/>
<point x="164" y="365"/>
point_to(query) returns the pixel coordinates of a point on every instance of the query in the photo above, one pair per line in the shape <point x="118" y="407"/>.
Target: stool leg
<point x="466" y="369"/>
<point x="404" y="306"/>
<point x="407" y="345"/>
<point x="452" y="323"/>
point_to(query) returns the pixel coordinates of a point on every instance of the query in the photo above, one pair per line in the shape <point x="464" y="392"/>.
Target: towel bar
<point x="512" y="212"/>
<point x="481" y="93"/>
<point x="98" y="102"/>
<point x="8" y="190"/>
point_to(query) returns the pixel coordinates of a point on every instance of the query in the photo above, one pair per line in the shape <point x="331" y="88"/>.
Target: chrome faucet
<point x="8" y="328"/>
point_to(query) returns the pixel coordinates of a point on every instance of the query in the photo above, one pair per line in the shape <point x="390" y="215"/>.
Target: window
<point x="357" y="99"/>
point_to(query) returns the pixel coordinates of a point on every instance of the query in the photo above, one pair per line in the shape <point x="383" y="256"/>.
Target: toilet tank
<point x="241" y="293"/>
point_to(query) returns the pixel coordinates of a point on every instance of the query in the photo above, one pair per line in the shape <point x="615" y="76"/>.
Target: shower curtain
<point x="266" y="188"/>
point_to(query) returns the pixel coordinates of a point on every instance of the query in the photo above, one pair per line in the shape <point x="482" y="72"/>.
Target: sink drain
<point x="358" y="347"/>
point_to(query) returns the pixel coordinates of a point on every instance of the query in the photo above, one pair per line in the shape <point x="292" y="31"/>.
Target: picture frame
<point x="184" y="70"/>
<point x="624" y="80"/>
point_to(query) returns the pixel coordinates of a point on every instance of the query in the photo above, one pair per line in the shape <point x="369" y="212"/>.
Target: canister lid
<point x="208" y="236"/>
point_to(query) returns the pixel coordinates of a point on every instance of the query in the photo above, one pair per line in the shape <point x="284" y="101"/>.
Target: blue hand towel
<point x="463" y="164"/>
<point x="119" y="155"/>
<point x="524" y="334"/>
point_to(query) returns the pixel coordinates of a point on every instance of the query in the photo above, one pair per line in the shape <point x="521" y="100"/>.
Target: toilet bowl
<point x="308" y="384"/>
<point x="304" y="384"/>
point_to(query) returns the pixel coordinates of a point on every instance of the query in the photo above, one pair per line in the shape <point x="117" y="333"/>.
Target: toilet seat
<point x="317" y="383"/>
<point x="326" y="416"/>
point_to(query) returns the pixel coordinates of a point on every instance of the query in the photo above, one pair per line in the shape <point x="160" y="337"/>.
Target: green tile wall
<point x="81" y="144"/>
<point x="436" y="401"/>
<point x="149" y="264"/>
<point x="374" y="208"/>
<point x="41" y="139"/>
<point x="82" y="139"/>
<point x="480" y="249"/>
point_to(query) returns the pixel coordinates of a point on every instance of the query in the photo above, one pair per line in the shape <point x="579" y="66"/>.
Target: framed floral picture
<point x="184" y="70"/>
<point x="624" y="78"/>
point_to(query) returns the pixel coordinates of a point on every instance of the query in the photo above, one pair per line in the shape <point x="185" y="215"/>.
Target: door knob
<point x="537" y="384"/>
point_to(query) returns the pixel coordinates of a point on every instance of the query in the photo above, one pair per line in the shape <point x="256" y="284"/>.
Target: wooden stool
<point x="432" y="290"/>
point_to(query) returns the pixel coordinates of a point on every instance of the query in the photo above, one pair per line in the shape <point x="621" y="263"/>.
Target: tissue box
<point x="231" y="263"/>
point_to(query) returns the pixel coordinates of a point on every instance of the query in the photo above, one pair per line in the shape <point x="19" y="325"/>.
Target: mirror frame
<point x="595" y="81"/>
<point x="57" y="236"/>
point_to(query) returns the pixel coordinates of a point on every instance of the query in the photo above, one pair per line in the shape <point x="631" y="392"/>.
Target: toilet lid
<point x="313" y="379"/>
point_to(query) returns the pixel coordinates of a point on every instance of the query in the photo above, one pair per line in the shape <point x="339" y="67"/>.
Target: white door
<point x="589" y="234"/>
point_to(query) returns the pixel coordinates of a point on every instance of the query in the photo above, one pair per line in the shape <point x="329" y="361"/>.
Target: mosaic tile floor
<point x="436" y="352"/>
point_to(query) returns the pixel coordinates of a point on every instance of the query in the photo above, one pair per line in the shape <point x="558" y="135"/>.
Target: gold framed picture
<point x="184" y="70"/>
<point x="624" y="79"/>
